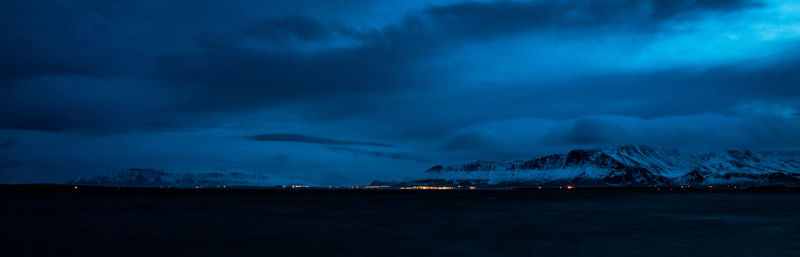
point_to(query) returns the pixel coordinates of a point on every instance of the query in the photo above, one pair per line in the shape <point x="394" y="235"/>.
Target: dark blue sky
<point x="345" y="92"/>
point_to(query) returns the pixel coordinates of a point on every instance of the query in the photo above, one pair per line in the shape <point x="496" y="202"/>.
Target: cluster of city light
<point x="295" y="186"/>
<point x="428" y="188"/>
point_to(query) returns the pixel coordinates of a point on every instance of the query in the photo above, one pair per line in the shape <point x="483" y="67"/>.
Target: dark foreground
<point x="62" y="221"/>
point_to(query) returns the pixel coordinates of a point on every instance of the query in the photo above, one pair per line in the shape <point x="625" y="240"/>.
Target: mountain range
<point x="630" y="165"/>
<point x="157" y="178"/>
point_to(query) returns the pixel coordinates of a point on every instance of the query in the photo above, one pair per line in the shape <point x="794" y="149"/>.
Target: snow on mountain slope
<point x="631" y="165"/>
<point x="156" y="178"/>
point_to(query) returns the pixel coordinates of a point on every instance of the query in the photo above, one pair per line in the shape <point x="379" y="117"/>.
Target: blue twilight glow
<point x="345" y="92"/>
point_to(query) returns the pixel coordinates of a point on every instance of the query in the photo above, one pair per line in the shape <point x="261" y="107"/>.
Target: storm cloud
<point x="347" y="87"/>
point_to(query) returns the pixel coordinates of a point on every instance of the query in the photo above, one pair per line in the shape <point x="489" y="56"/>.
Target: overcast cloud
<point x="346" y="92"/>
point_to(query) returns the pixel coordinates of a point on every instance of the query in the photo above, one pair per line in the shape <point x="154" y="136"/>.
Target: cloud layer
<point x="408" y="83"/>
<point x="288" y="137"/>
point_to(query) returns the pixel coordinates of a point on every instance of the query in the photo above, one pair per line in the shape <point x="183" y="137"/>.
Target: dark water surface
<point x="59" y="221"/>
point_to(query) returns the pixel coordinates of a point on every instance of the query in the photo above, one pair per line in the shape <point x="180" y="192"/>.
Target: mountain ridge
<point x="155" y="178"/>
<point x="627" y="165"/>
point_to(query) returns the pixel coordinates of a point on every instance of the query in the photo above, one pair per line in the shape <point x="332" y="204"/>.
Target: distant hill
<point x="156" y="178"/>
<point x="633" y="165"/>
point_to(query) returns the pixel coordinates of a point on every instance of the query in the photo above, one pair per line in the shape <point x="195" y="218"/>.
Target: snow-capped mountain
<point x="622" y="166"/>
<point x="156" y="178"/>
